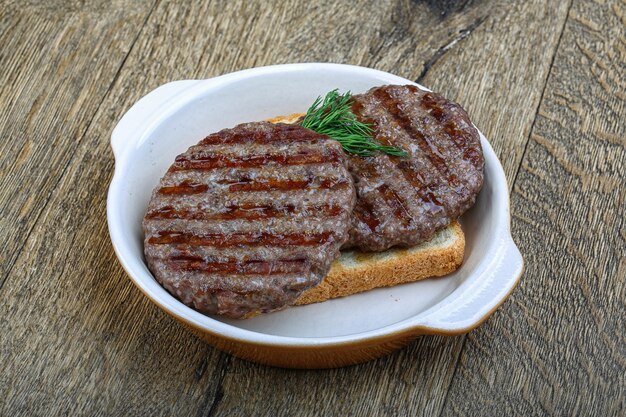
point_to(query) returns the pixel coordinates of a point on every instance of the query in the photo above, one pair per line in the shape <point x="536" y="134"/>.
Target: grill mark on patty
<point x="411" y="175"/>
<point x="424" y="191"/>
<point x="357" y="109"/>
<point x="213" y="161"/>
<point x="185" y="187"/>
<point x="243" y="211"/>
<point x="221" y="240"/>
<point x="286" y="185"/>
<point x="364" y="213"/>
<point x="433" y="154"/>
<point x="395" y="202"/>
<point x="429" y="103"/>
<point x="249" y="267"/>
<point x="283" y="135"/>
<point x="475" y="157"/>
<point x="456" y="134"/>
<point x="443" y="112"/>
<point x="248" y="184"/>
<point x="364" y="209"/>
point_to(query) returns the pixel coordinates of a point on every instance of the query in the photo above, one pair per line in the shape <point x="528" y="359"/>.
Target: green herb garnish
<point x="332" y="117"/>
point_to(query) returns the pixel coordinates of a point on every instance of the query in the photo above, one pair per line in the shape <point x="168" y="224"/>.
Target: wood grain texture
<point x="58" y="60"/>
<point x="559" y="348"/>
<point x="79" y="339"/>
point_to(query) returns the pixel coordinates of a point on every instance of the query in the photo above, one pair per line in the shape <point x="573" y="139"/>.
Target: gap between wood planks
<point x="218" y="393"/>
<point x="543" y="91"/>
<point x="514" y="180"/>
<point x="71" y="157"/>
<point x="463" y="33"/>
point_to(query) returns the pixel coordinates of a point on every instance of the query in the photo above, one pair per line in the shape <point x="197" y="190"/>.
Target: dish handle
<point x="139" y="115"/>
<point x="470" y="307"/>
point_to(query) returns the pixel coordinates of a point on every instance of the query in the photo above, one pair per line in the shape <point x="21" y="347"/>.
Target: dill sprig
<point x="331" y="116"/>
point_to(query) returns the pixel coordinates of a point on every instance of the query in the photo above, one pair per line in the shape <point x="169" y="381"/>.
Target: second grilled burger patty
<point x="404" y="201"/>
<point x="249" y="218"/>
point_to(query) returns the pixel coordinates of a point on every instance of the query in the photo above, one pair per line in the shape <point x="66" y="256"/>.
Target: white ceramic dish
<point x="176" y="115"/>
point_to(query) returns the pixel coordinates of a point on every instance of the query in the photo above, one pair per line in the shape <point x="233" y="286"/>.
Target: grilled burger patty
<point x="249" y="218"/>
<point x="404" y="201"/>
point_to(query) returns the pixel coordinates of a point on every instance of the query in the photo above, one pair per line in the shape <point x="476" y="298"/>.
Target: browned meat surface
<point x="249" y="218"/>
<point x="404" y="201"/>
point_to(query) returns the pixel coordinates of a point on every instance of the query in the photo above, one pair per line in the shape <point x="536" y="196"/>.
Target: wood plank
<point x="103" y="348"/>
<point x="57" y="62"/>
<point x="559" y="347"/>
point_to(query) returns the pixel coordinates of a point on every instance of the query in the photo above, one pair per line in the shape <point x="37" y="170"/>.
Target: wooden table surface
<point x="544" y="80"/>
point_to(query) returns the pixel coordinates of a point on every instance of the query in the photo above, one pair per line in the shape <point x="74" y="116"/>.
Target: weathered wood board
<point x="77" y="338"/>
<point x="559" y="348"/>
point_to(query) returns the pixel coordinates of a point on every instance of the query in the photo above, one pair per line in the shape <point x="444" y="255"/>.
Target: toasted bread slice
<point x="290" y="118"/>
<point x="357" y="271"/>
